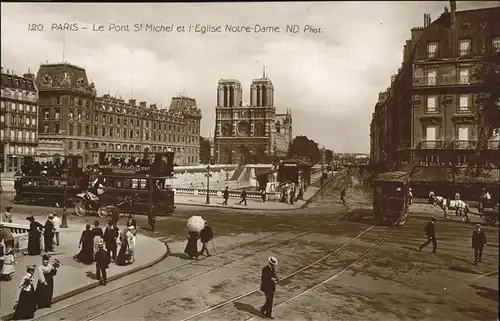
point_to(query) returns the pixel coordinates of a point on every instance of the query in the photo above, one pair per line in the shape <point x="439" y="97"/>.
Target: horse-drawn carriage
<point x="391" y="197"/>
<point x="488" y="208"/>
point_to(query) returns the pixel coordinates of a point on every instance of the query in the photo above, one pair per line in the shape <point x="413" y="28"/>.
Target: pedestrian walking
<point x="101" y="264"/>
<point x="86" y="243"/>
<point x="191" y="248"/>
<point x="430" y="232"/>
<point x="263" y="194"/>
<point x="48" y="234"/>
<point x="478" y="243"/>
<point x="342" y="196"/>
<point x="225" y="195"/>
<point x="268" y="282"/>
<point x="57" y="227"/>
<point x="111" y="235"/>
<point x="7" y="215"/>
<point x="243" y="197"/>
<point x="206" y="235"/>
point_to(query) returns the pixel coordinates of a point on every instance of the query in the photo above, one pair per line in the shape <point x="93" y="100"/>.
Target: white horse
<point x="461" y="208"/>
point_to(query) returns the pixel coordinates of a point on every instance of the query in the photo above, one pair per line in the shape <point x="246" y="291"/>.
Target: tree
<point x="487" y="72"/>
<point x="204" y="150"/>
<point x="328" y="156"/>
<point x="304" y="148"/>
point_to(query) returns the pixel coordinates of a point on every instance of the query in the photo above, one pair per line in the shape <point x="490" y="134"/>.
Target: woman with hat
<point x="45" y="285"/>
<point x="131" y="243"/>
<point x="98" y="236"/>
<point x="86" y="254"/>
<point x="34" y="234"/>
<point x="26" y="304"/>
<point x="7" y="215"/>
<point x="192" y="245"/>
<point x="268" y="282"/>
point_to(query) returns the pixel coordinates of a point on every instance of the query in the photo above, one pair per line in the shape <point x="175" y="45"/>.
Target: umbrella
<point x="195" y="223"/>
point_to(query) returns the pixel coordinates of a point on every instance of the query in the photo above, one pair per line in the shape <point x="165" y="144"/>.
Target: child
<point x="8" y="266"/>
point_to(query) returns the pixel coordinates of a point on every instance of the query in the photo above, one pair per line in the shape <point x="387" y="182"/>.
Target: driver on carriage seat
<point x="398" y="191"/>
<point x="97" y="190"/>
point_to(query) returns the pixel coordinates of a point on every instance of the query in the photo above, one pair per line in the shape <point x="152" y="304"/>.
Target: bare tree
<point x="487" y="72"/>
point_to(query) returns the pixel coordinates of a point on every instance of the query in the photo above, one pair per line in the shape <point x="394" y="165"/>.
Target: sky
<point x="330" y="79"/>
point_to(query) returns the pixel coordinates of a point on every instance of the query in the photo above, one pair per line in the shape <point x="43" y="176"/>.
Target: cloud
<point x="330" y="80"/>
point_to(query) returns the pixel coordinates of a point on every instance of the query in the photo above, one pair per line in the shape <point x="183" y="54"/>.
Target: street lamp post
<point x="208" y="175"/>
<point x="64" y="221"/>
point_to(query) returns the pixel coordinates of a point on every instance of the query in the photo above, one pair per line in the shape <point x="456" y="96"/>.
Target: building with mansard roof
<point x="18" y="120"/>
<point x="249" y="133"/>
<point x="73" y="120"/>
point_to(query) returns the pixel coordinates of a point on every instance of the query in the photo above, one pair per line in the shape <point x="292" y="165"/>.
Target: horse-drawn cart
<point x="391" y="193"/>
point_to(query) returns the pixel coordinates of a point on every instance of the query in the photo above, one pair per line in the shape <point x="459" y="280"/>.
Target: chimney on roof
<point x="152" y="106"/>
<point x="453" y="8"/>
<point x="445" y="9"/>
<point x="106" y="96"/>
<point x="132" y="102"/>
<point x="143" y="104"/>
<point x="29" y="75"/>
<point x="7" y="71"/>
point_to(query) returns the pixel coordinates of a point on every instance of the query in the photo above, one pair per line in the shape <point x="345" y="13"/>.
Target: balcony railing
<point x="464" y="144"/>
<point x="431" y="144"/>
<point x="465" y="52"/>
<point x="441" y="81"/>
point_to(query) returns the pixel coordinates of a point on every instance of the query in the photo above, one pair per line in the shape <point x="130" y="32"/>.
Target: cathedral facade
<point x="250" y="133"/>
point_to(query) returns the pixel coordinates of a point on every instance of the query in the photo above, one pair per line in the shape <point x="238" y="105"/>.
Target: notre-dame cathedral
<point x="246" y="134"/>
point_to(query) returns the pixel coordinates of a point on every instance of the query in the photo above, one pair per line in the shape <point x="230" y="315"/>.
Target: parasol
<point x="195" y="223"/>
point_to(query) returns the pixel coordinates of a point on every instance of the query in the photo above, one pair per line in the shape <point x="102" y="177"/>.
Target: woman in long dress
<point x="121" y="259"/>
<point x="26" y="304"/>
<point x="131" y="238"/>
<point x="34" y="234"/>
<point x="192" y="245"/>
<point x="45" y="285"/>
<point x="98" y="236"/>
<point x="86" y="255"/>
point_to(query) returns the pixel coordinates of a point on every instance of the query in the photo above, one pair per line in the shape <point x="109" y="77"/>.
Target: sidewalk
<point x="74" y="277"/>
<point x="252" y="204"/>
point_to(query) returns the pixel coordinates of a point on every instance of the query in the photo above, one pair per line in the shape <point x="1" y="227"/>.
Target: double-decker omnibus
<point x="49" y="183"/>
<point x="137" y="185"/>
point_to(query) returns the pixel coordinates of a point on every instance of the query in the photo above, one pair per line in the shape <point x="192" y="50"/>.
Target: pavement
<point x="74" y="277"/>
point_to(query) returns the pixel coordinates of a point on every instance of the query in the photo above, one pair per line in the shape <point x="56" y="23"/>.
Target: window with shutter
<point x="464" y="47"/>
<point x="431" y="104"/>
<point x="464" y="103"/>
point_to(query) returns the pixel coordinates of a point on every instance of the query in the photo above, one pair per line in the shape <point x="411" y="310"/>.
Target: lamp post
<point x="208" y="175"/>
<point x="64" y="221"/>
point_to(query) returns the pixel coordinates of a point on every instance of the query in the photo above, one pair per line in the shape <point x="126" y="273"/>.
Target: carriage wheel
<point x="80" y="209"/>
<point x="103" y="212"/>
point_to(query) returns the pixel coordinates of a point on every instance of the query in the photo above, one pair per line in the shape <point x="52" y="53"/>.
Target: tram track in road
<point x="200" y="315"/>
<point x="175" y="281"/>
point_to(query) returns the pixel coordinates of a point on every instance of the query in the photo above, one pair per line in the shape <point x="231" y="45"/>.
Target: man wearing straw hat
<point x="268" y="286"/>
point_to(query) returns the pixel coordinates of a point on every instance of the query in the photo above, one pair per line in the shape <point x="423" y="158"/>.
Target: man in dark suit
<point x="268" y="286"/>
<point x="243" y="197"/>
<point x="206" y="235"/>
<point x="430" y="232"/>
<point x="225" y="195"/>
<point x="478" y="243"/>
<point x="110" y="237"/>
<point x="101" y="264"/>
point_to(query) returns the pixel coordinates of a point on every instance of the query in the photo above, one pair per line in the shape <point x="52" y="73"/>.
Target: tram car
<point x="141" y="186"/>
<point x="391" y="192"/>
<point x="49" y="183"/>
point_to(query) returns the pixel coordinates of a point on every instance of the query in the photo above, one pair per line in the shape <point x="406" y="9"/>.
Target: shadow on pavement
<point x="247" y="308"/>
<point x="485" y="292"/>
<point x="183" y="256"/>
<point x="91" y="275"/>
<point x="363" y="216"/>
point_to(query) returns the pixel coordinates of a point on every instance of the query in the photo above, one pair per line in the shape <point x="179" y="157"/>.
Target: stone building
<point x="253" y="132"/>
<point x="75" y="121"/>
<point x="18" y="120"/>
<point x="428" y="115"/>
